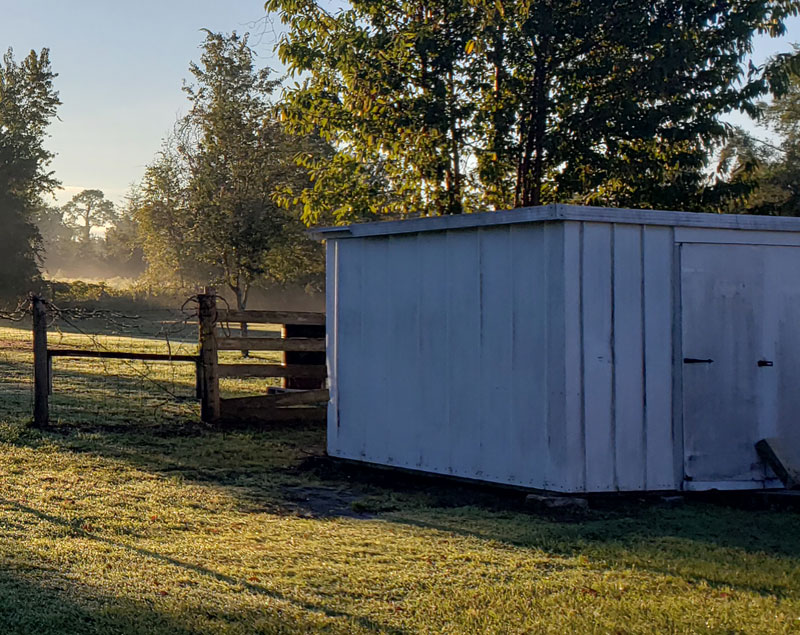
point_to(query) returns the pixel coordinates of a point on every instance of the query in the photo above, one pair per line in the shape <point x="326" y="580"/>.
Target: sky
<point x="120" y="70"/>
<point x="121" y="66"/>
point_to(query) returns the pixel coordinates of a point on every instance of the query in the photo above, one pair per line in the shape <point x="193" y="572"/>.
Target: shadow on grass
<point x="32" y="607"/>
<point x="95" y="400"/>
<point x="268" y="463"/>
<point x="154" y="621"/>
<point x="281" y="469"/>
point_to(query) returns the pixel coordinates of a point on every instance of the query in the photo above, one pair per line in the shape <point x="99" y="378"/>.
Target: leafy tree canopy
<point x="768" y="173"/>
<point x="213" y="205"/>
<point x="463" y="105"/>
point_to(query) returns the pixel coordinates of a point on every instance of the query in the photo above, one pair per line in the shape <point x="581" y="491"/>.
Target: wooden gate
<point x="279" y="404"/>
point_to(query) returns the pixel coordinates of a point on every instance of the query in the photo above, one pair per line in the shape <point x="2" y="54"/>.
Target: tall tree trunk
<point x="454" y="200"/>
<point x="530" y="171"/>
<point x="500" y="127"/>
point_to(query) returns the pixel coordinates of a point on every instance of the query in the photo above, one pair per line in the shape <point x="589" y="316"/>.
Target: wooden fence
<point x="43" y="361"/>
<point x="278" y="404"/>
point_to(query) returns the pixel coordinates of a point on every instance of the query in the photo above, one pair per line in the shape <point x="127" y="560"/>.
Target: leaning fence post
<point x="41" y="371"/>
<point x="208" y="376"/>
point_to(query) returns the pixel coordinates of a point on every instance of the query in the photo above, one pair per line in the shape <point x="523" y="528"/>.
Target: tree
<point x="476" y="104"/>
<point x="27" y="104"/>
<point x="768" y="173"/>
<point x="214" y="208"/>
<point x="165" y="222"/>
<point x="89" y="209"/>
<point x="57" y="238"/>
<point x="121" y="248"/>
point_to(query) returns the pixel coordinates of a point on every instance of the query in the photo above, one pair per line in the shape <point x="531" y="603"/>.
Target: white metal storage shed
<point x="566" y="348"/>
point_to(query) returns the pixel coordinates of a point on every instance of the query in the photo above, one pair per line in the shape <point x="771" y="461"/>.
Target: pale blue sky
<point x="121" y="66"/>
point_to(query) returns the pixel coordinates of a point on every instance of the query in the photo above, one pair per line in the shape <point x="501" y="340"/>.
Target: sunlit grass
<point x="123" y="526"/>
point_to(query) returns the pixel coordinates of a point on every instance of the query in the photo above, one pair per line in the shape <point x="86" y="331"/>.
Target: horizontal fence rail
<point x="271" y="317"/>
<point x="155" y="357"/>
<point x="294" y="344"/>
<point x="271" y="370"/>
<point x="303" y="370"/>
<point x="302" y="396"/>
<point x="155" y="388"/>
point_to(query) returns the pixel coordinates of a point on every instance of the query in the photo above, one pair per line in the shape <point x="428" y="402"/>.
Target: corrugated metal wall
<point x="496" y="353"/>
<point x="624" y="300"/>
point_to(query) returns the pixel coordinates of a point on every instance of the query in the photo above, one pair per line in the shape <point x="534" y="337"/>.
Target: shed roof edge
<point x="560" y="212"/>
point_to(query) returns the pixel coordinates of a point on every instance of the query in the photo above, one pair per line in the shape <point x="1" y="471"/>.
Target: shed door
<point x="725" y="302"/>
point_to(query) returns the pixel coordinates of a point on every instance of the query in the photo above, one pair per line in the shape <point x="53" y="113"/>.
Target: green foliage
<point x="121" y="248"/>
<point x="27" y="104"/>
<point x="211" y="206"/>
<point x="768" y="174"/>
<point x="165" y="221"/>
<point x="464" y="105"/>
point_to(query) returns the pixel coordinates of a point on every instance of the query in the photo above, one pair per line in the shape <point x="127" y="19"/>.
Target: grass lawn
<point x="118" y="521"/>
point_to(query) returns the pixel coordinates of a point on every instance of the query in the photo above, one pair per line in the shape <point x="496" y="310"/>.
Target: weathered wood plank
<point x="41" y="374"/>
<point x="782" y="456"/>
<point x="76" y="352"/>
<point x="271" y="317"/>
<point x="208" y="368"/>
<point x="300" y="398"/>
<point x="232" y="412"/>
<point x="294" y="357"/>
<point x="270" y="370"/>
<point x="294" y="344"/>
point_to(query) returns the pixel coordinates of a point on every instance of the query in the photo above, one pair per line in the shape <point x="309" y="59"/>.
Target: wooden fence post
<point x="41" y="366"/>
<point x="208" y="371"/>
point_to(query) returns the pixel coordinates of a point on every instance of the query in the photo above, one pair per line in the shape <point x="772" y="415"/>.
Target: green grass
<point x="143" y="525"/>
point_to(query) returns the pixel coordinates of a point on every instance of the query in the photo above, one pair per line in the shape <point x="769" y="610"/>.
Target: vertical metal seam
<point x="420" y="336"/>
<point x="643" y="301"/>
<point x="678" y="449"/>
<point x="547" y="323"/>
<point x="477" y="469"/>
<point x="512" y="423"/>
<point x="448" y="344"/>
<point x="582" y="346"/>
<point x="613" y="345"/>
<point x="336" y="323"/>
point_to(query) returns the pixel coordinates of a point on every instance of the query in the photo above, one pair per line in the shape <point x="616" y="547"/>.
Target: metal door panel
<point x="722" y="298"/>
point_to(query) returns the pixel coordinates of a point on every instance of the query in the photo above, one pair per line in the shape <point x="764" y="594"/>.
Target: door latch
<point x="692" y="360"/>
<point x="764" y="362"/>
